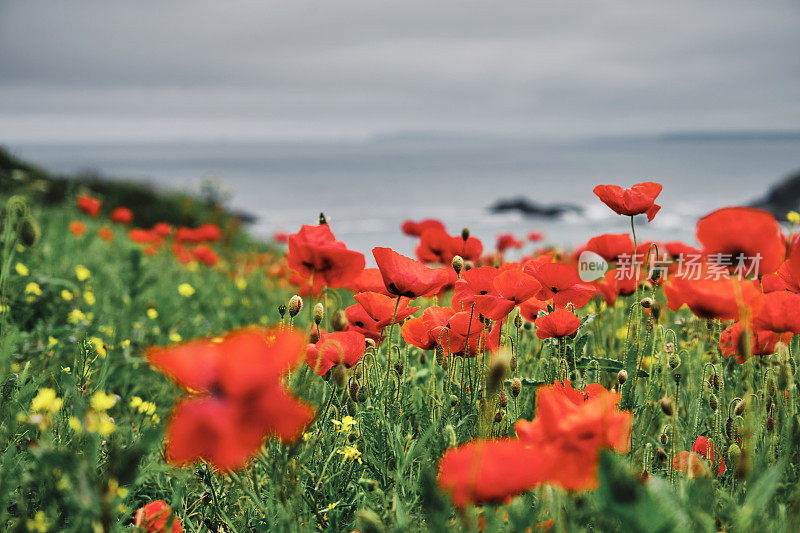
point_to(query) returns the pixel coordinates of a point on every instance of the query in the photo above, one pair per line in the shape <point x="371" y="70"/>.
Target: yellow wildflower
<point x="101" y="401"/>
<point x="185" y="290"/>
<point x="152" y="314"/>
<point x="33" y="288"/>
<point x="98" y="345"/>
<point x="241" y="284"/>
<point x="51" y="341"/>
<point x="793" y="217"/>
<point x="82" y="273"/>
<point x="66" y="295"/>
<point x="39" y="523"/>
<point x="75" y="424"/>
<point x="350" y="453"/>
<point x="46" y="400"/>
<point x="21" y="269"/>
<point x="345" y="423"/>
<point x="75" y="316"/>
<point x="88" y="296"/>
<point x="175" y="337"/>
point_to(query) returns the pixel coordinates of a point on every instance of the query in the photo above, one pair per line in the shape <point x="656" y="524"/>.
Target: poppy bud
<point x="29" y="231"/>
<point x="655" y="310"/>
<point x="362" y="395"/>
<point x="450" y="432"/>
<point x="713" y="403"/>
<point x="370" y="343"/>
<point x="282" y="310"/>
<point x="338" y="320"/>
<point x="655" y="275"/>
<point x="674" y="361"/>
<point x="771" y="387"/>
<point x="313" y="336"/>
<point x="457" y="263"/>
<point x="666" y="405"/>
<point x="319" y="312"/>
<point x="734" y="452"/>
<point x="423" y="359"/>
<point x="398" y="367"/>
<point x="784" y="376"/>
<point x="663" y="439"/>
<point x="322" y="219"/>
<point x="713" y="380"/>
<point x="622" y="376"/>
<point x="465" y="233"/>
<point x="497" y="372"/>
<point x="516" y="387"/>
<point x="512" y="363"/>
<point x="739" y="409"/>
<point x="453" y="400"/>
<point x="339" y="374"/>
<point x="646" y="302"/>
<point x="469" y="265"/>
<point x="770" y="423"/>
<point x="295" y="304"/>
<point x="446" y="364"/>
<point x="440" y="357"/>
<point x="518" y="321"/>
<point x="353" y="390"/>
<point x="729" y="428"/>
<point x="498" y="416"/>
<point x="503" y="398"/>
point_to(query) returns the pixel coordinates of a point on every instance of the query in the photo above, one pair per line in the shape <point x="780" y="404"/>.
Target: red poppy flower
<point x="154" y="517"/>
<point x="209" y="232"/>
<point x="705" y="448"/>
<point x="369" y="280"/>
<point x="238" y="397"/>
<point x="382" y="308"/>
<point x="685" y="461"/>
<point x="610" y="246"/>
<point x="710" y="298"/>
<point x="77" y="228"/>
<point x="761" y="342"/>
<point x="530" y="308"/>
<point x="742" y="238"/>
<point x="89" y="205"/>
<point x="358" y="320"/>
<point x="314" y="251"/>
<point x="779" y="312"/>
<point x="143" y="236"/>
<point x="535" y="236"/>
<point x="415" y="229"/>
<point x="162" y="229"/>
<point x="474" y="282"/>
<point x="122" y="215"/>
<point x="181" y="253"/>
<point x="280" y="237"/>
<point x="618" y="283"/>
<point x="637" y="200"/>
<point x="404" y="276"/>
<point x="787" y="277"/>
<point x="512" y="288"/>
<point x="425" y="332"/>
<point x="507" y="241"/>
<point x="438" y="246"/>
<point x="559" y="323"/>
<point x="464" y="333"/>
<point x="339" y="347"/>
<point x="560" y="283"/>
<point x="547" y="450"/>
<point x="206" y="255"/>
<point x="105" y="233"/>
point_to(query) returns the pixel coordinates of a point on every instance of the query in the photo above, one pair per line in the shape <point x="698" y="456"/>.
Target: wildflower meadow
<point x="162" y="370"/>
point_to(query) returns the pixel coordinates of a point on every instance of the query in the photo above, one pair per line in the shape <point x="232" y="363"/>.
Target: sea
<point x="368" y="188"/>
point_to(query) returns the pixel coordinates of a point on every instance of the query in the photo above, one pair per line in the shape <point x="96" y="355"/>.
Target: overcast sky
<point x="295" y="69"/>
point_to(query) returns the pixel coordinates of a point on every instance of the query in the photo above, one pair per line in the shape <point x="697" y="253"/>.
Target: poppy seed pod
<point x="622" y="376"/>
<point x="338" y="320"/>
<point x="647" y="303"/>
<point x="512" y="363"/>
<point x="282" y="310"/>
<point x="457" y="263"/>
<point x="322" y="219"/>
<point x="516" y="387"/>
<point x="663" y="439"/>
<point x="729" y="428"/>
<point x="666" y="405"/>
<point x="440" y="357"/>
<point x="398" y="367"/>
<point x="713" y="380"/>
<point x="498" y="416"/>
<point x="770" y="423"/>
<point x="655" y="310"/>
<point x="313" y="336"/>
<point x="29" y="231"/>
<point x="465" y="233"/>
<point x="674" y="361"/>
<point x="503" y="398"/>
<point x="518" y="321"/>
<point x="295" y="304"/>
<point x="771" y="386"/>
<point x="339" y="373"/>
<point x="739" y="409"/>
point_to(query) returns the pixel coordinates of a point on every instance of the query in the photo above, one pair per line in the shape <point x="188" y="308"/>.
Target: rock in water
<point x="782" y="197"/>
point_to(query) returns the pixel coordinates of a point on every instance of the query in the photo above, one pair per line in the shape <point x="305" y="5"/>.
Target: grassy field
<point x="83" y="414"/>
